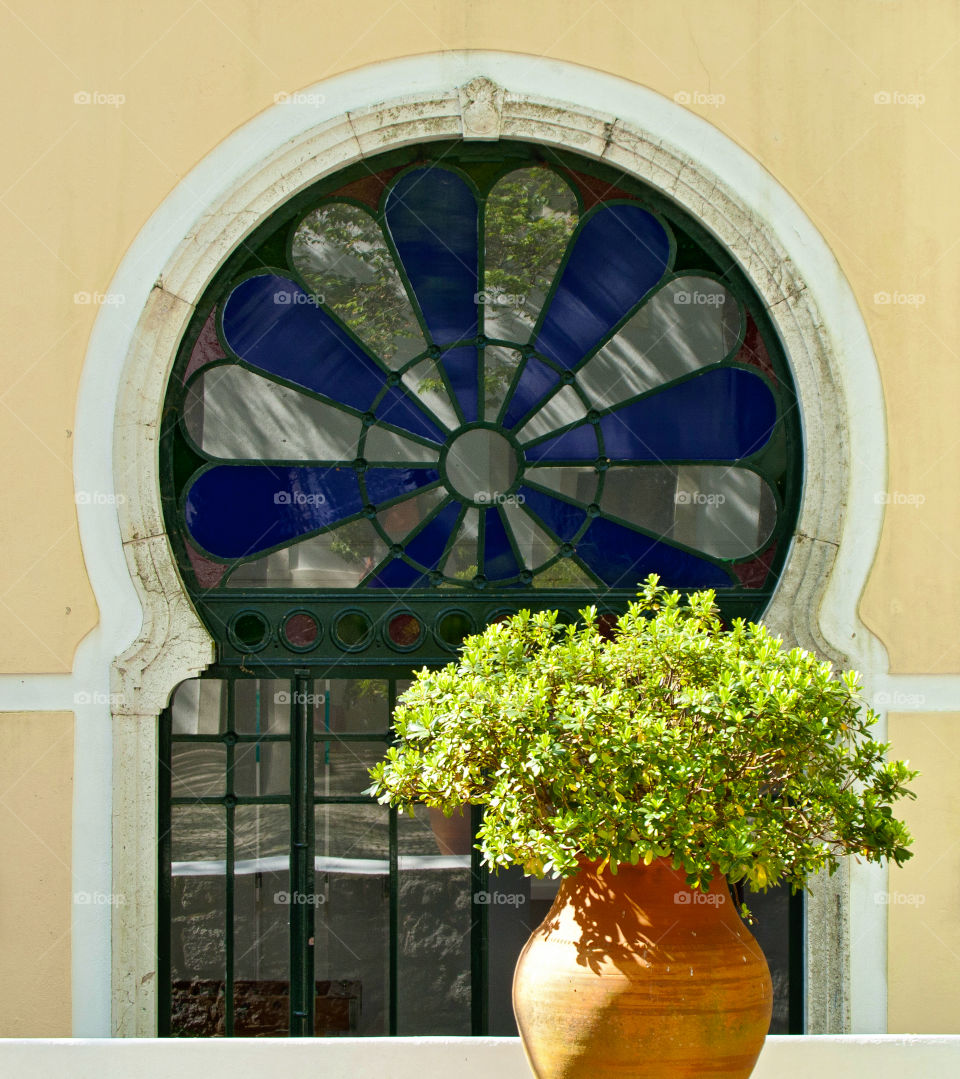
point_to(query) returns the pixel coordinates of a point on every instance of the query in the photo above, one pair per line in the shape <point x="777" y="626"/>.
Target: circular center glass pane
<point x="481" y="465"/>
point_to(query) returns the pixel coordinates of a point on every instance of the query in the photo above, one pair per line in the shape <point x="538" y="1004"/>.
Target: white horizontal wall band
<point x="853" y="1057"/>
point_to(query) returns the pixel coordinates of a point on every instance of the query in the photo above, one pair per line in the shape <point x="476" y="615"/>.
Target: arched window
<point x="444" y="384"/>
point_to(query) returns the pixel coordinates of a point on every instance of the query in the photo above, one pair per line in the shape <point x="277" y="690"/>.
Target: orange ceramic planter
<point x="636" y="975"/>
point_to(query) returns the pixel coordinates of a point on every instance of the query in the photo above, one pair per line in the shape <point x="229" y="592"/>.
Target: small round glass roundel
<point x="249" y="631"/>
<point x="301" y="630"/>
<point x="353" y="630"/>
<point x="481" y="465"/>
<point x="404" y="630"/>
<point x="452" y="627"/>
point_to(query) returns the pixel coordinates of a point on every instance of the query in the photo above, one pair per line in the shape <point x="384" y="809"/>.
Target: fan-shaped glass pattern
<point x="458" y="376"/>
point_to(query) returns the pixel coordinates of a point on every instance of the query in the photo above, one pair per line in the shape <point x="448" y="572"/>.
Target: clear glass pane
<point x="689" y="323"/>
<point x="351" y="706"/>
<point x="499" y="366"/>
<point x="352" y="920"/>
<point x="566" y="573"/>
<point x="723" y="511"/>
<point x="198" y="770"/>
<point x="436" y="912"/>
<point x="571" y="481"/>
<point x="262" y="904"/>
<point x="198" y="920"/>
<point x="530" y="216"/>
<point x="344" y="767"/>
<point x="261" y="768"/>
<point x="400" y="519"/>
<point x="232" y="412"/>
<point x="199" y="706"/>
<point x="261" y="706"/>
<point x="481" y="465"/>
<point x="341" y="253"/>
<point x="565" y="407"/>
<point x="426" y="382"/>
<point x="462" y="559"/>
<point x="340" y="558"/>
<point x="534" y="545"/>
<point x="389" y="447"/>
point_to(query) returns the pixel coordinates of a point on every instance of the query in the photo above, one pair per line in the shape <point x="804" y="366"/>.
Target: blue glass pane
<point x="426" y="547"/>
<point x="619" y="255"/>
<point x="723" y="414"/>
<point x="462" y="366"/>
<point x="498" y="557"/>
<point x="397" y="408"/>
<point x="432" y="217"/>
<point x="577" y="444"/>
<point x="272" y="324"/>
<point x="238" y="510"/>
<point x="385" y="483"/>
<point x="563" y="518"/>
<point x="399" y="574"/>
<point x="536" y="381"/>
<point x="428" y="544"/>
<point x="622" y="558"/>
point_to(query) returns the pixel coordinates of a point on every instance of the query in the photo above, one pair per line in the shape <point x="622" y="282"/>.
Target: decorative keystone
<point x="481" y="108"/>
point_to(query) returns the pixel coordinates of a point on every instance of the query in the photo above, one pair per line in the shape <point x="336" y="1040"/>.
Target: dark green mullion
<point x="393" y="935"/>
<point x="393" y="940"/>
<point x="230" y="805"/>
<point x="795" y="963"/>
<point x="165" y="881"/>
<point x="301" y="875"/>
<point x="479" y="882"/>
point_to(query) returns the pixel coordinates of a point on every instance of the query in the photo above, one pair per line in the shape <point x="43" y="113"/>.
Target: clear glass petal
<point x="232" y="413"/>
<point x="690" y="323"/>
<point x="724" y="512"/>
<point x="341" y="252"/>
<point x="530" y="216"/>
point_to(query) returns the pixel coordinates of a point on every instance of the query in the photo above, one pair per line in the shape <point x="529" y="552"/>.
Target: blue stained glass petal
<point x="622" y="558"/>
<point x="499" y="560"/>
<point x="577" y="444"/>
<point x="272" y="324"/>
<point x="724" y="414"/>
<point x="238" y="510"/>
<point x="432" y="217"/>
<point x="462" y="366"/>
<point x="536" y="382"/>
<point x="386" y="483"/>
<point x="562" y="517"/>
<point x="618" y="256"/>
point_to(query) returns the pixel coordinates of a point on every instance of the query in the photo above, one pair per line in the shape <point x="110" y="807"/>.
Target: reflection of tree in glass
<point x="528" y="223"/>
<point x="342" y="255"/>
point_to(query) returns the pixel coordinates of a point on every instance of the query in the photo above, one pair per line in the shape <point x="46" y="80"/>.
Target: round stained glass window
<point x="462" y="373"/>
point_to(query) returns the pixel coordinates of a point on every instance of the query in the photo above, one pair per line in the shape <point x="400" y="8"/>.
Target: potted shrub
<point x="647" y="768"/>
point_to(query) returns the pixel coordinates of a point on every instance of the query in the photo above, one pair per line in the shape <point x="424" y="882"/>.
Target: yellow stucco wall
<point x="36" y="788"/>
<point x="797" y="82"/>
<point x="924" y="931"/>
<point x="793" y="83"/>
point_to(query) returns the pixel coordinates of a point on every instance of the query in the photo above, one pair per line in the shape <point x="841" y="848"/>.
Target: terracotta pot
<point x="637" y="975"/>
<point x="453" y="834"/>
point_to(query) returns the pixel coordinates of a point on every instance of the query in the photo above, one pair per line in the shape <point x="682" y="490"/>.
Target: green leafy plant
<point x="671" y="737"/>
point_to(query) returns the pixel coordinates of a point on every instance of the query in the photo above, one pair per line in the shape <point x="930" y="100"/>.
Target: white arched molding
<point x="490" y="96"/>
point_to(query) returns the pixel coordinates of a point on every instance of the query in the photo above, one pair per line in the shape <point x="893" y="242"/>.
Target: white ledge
<point x="882" y="1056"/>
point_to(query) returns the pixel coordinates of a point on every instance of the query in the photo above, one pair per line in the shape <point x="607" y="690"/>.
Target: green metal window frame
<point x="472" y="606"/>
